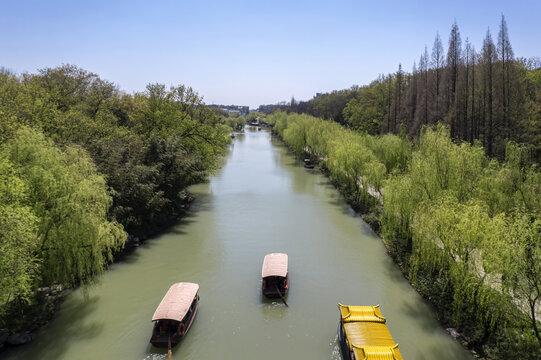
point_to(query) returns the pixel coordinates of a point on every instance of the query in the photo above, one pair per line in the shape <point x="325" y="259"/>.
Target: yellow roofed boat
<point x="363" y="335"/>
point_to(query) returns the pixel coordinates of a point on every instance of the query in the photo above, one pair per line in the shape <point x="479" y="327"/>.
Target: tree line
<point x="83" y="164"/>
<point x="486" y="95"/>
<point x="464" y="227"/>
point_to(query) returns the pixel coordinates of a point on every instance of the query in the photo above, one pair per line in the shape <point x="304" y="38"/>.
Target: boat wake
<point x="335" y="349"/>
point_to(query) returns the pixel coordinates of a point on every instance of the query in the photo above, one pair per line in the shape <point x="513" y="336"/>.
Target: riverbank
<point x="32" y="318"/>
<point x="372" y="216"/>
<point x="441" y="202"/>
<point x="83" y="173"/>
<point x="25" y="329"/>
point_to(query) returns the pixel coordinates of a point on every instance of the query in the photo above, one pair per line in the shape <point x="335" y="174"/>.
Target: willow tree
<point x="320" y="134"/>
<point x="71" y="201"/>
<point x="280" y="120"/>
<point x="351" y="162"/>
<point x="515" y="258"/>
<point x="449" y="239"/>
<point x="513" y="185"/>
<point x="437" y="167"/>
<point x="18" y="239"/>
<point x="393" y="151"/>
<point x="295" y="135"/>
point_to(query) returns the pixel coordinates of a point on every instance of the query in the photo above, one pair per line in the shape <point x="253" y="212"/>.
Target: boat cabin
<point x="363" y="335"/>
<point x="175" y="314"/>
<point x="275" y="275"/>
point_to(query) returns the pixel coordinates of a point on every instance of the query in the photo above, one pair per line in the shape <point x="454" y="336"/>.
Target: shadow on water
<point x="418" y="314"/>
<point x="392" y="270"/>
<point x="288" y="160"/>
<point x="340" y="203"/>
<point x="323" y="180"/>
<point x="76" y="330"/>
<point x="285" y="158"/>
<point x="445" y="352"/>
<point x="201" y="203"/>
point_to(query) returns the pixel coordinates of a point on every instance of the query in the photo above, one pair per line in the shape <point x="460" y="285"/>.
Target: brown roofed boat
<point x="174" y="316"/>
<point x="275" y="275"/>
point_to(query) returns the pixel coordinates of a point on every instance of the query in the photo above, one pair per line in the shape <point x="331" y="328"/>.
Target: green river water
<point x="262" y="200"/>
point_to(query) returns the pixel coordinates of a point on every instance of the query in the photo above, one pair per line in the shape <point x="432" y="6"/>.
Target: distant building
<point x="232" y="109"/>
<point x="272" y="107"/>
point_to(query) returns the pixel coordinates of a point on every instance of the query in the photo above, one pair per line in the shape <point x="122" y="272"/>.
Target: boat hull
<point x="308" y="164"/>
<point x="344" y="349"/>
<point x="163" y="341"/>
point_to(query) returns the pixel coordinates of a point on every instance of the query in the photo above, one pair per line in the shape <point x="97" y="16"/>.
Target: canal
<point x="262" y="200"/>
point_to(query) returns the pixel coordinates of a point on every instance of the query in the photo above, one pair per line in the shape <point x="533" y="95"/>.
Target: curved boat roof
<point x="361" y="313"/>
<point x="176" y="302"/>
<point x="274" y="264"/>
<point x="367" y="334"/>
<point x="377" y="352"/>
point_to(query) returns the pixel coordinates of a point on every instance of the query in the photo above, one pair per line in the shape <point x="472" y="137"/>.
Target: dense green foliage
<point x="486" y="95"/>
<point x="18" y="238"/>
<point x="255" y="116"/>
<point x="466" y="229"/>
<point x="357" y="162"/>
<point x="70" y="199"/>
<point x="235" y="122"/>
<point x="82" y="163"/>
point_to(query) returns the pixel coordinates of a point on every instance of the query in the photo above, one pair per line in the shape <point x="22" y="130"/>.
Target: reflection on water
<point x="262" y="200"/>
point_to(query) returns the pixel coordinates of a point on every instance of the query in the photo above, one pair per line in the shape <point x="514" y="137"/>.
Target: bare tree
<point x="389" y="101"/>
<point x="488" y="59"/>
<point x="437" y="64"/>
<point x="413" y="93"/>
<point x="454" y="58"/>
<point x="469" y="116"/>
<point x="423" y="70"/>
<point x="505" y="55"/>
<point x="398" y="96"/>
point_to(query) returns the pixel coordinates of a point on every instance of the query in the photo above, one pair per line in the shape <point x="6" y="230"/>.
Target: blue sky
<point x="248" y="52"/>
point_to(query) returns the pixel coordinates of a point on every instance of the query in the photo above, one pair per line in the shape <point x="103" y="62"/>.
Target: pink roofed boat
<point x="275" y="275"/>
<point x="175" y="314"/>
